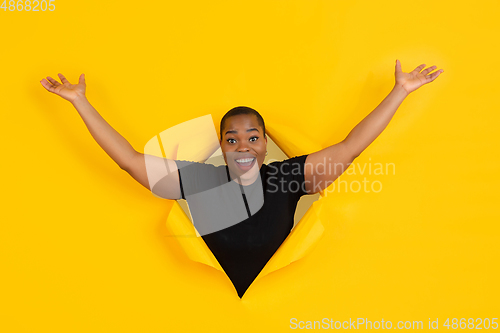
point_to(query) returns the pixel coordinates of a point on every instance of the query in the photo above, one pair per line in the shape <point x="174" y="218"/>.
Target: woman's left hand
<point x="415" y="79"/>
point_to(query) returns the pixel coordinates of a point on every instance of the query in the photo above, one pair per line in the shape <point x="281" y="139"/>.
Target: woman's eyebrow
<point x="248" y="130"/>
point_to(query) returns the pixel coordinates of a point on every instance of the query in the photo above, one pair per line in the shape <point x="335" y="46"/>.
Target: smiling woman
<point x="243" y="143"/>
<point x="242" y="218"/>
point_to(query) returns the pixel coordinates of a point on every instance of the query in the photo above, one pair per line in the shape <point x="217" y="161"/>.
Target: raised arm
<point x="113" y="143"/>
<point x="326" y="165"/>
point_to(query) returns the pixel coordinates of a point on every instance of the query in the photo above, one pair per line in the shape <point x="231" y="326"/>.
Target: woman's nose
<point x="243" y="148"/>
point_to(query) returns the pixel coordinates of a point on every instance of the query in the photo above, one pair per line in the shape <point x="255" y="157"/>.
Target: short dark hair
<point x="241" y="110"/>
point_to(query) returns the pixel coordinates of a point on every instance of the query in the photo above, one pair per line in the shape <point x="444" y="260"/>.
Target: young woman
<point x="258" y="200"/>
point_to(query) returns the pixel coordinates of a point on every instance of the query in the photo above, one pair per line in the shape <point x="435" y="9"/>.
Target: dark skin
<point x="243" y="138"/>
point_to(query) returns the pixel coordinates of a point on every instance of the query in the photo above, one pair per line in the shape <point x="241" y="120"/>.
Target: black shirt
<point x="244" y="248"/>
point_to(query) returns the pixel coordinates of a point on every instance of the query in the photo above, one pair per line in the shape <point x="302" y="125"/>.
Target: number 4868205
<point x="28" y="6"/>
<point x="478" y="323"/>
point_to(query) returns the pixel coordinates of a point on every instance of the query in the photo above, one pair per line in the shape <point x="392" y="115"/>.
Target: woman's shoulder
<point x="296" y="159"/>
<point x="294" y="164"/>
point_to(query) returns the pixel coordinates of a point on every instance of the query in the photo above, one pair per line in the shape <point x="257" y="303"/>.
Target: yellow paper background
<point x="84" y="248"/>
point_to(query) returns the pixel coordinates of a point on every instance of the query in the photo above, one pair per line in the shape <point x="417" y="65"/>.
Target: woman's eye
<point x="231" y="140"/>
<point x="254" y="138"/>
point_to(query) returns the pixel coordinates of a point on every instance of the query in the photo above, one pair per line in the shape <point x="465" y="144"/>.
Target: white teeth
<point x="245" y="160"/>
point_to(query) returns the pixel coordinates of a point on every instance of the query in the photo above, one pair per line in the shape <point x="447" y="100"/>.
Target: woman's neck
<point x="248" y="178"/>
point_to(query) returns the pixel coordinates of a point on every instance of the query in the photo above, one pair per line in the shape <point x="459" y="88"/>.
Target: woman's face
<point x="243" y="145"/>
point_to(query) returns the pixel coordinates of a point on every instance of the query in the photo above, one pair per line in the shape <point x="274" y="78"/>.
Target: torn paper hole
<point x="308" y="228"/>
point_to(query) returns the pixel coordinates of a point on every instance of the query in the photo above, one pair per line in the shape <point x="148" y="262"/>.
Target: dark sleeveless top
<point x="244" y="248"/>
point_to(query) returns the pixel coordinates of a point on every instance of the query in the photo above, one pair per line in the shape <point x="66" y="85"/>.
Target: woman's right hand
<point x="66" y="90"/>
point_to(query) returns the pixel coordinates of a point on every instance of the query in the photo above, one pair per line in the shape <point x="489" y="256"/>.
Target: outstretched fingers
<point x="47" y="85"/>
<point x="433" y="76"/>
<point x="63" y="79"/>
<point x="54" y="82"/>
<point x="428" y="70"/>
<point x="419" y="68"/>
<point x="50" y="84"/>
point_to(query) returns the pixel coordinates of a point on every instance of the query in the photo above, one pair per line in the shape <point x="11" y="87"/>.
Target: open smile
<point x="245" y="163"/>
